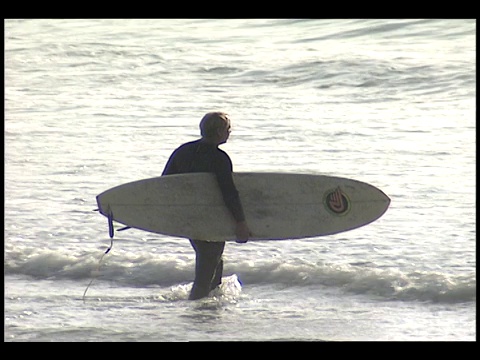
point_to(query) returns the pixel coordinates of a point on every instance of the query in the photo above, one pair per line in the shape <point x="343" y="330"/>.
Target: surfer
<point x="203" y="155"/>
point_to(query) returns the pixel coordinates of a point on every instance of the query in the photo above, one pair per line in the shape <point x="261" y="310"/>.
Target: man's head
<point x="215" y="127"/>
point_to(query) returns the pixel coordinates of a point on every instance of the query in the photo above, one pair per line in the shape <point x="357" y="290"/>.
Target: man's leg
<point x="208" y="267"/>
<point x="217" y="277"/>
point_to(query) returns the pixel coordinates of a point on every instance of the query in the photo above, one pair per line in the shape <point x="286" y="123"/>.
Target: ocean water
<point x="94" y="103"/>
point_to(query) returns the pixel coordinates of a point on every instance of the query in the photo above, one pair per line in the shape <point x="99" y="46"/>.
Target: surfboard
<point x="277" y="206"/>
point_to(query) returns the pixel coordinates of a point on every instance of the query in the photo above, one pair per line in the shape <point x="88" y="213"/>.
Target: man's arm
<point x="228" y="189"/>
<point x="231" y="198"/>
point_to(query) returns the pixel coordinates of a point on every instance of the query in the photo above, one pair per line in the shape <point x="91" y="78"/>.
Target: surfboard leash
<point x="111" y="233"/>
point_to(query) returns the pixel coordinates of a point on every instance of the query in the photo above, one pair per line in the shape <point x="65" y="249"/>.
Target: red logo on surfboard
<point x="337" y="201"/>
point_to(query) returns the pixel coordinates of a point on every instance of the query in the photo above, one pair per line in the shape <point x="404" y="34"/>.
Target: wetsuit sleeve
<point x="227" y="187"/>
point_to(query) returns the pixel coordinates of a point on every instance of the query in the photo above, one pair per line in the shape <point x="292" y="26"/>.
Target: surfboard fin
<point x="124" y="228"/>
<point x="110" y="224"/>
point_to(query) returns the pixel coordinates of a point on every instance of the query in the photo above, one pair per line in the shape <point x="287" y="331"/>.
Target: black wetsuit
<point x="201" y="156"/>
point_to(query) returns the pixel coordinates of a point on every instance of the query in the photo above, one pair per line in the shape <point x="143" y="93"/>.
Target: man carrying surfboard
<point x="203" y="155"/>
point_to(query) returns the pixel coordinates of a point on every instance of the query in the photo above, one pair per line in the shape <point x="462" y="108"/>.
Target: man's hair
<point x="213" y="121"/>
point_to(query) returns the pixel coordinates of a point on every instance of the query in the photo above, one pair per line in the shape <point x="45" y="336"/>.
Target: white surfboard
<point x="277" y="206"/>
